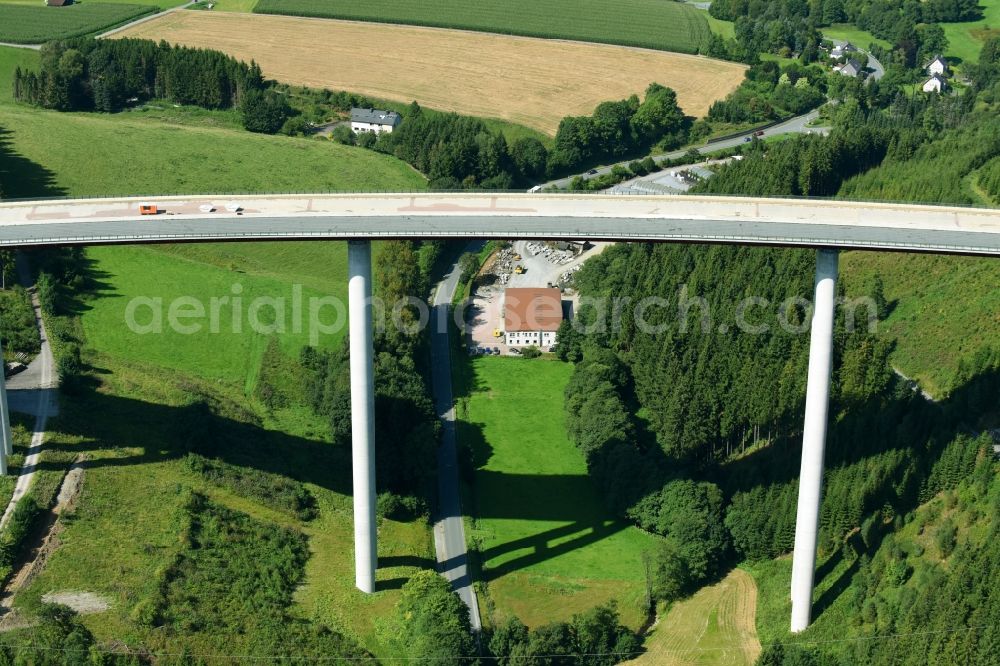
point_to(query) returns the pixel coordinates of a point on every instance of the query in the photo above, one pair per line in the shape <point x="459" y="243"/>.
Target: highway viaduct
<point x="828" y="226"/>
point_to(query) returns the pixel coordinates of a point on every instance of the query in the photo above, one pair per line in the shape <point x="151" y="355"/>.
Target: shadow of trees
<point x="22" y="178"/>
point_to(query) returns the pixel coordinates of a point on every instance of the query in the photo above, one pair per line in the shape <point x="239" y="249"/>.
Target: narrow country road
<point x="449" y="530"/>
<point x="33" y="392"/>
<point x="794" y="125"/>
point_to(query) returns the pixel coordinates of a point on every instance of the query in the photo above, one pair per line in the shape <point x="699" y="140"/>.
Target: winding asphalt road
<point x="449" y="529"/>
<point x="795" y="125"/>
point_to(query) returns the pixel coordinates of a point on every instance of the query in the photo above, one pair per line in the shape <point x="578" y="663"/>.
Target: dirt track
<point x="535" y="82"/>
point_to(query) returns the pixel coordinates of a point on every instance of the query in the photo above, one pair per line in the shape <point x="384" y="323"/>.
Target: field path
<point x="143" y="19"/>
<point x="716" y="626"/>
<point x="534" y="82"/>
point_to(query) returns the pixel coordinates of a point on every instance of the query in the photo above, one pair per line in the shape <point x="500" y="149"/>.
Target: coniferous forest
<point x="692" y="429"/>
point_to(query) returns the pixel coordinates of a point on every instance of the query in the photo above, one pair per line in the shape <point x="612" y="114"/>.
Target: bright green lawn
<point x="550" y="547"/>
<point x="848" y="32"/>
<point x="726" y="29"/>
<point x="233" y="353"/>
<point x="948" y="309"/>
<point x="965" y="40"/>
<point x="657" y="24"/>
<point x="36" y="23"/>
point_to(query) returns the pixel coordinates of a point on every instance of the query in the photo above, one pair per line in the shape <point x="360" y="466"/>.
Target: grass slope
<point x="946" y="310"/>
<point x="549" y="547"/>
<point x="965" y="40"/>
<point x="839" y="617"/>
<point x="125" y="531"/>
<point x="851" y="33"/>
<point x="670" y="26"/>
<point x="24" y="24"/>
<point x="232" y="353"/>
<point x="128" y="155"/>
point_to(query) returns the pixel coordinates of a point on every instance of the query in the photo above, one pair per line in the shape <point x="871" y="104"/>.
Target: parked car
<point x="592" y="172"/>
<point x="747" y="139"/>
<point x="759" y="133"/>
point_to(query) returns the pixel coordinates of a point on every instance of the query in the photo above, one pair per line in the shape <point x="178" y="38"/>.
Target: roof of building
<point x="374" y="116"/>
<point x="532" y="309"/>
<point x="938" y="58"/>
<point x="852" y="68"/>
<point x="940" y="79"/>
<point x="58" y="3"/>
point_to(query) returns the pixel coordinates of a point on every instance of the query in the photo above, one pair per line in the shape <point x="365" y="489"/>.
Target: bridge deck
<point x="785" y="222"/>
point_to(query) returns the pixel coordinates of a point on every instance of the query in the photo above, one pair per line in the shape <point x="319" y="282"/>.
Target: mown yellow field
<point x="714" y="627"/>
<point x="535" y="82"/>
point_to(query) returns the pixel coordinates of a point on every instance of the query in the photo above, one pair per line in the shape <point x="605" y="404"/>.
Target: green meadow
<point x="548" y="546"/>
<point x="97" y="155"/>
<point x="943" y="310"/>
<point x="965" y="40"/>
<point x="148" y="396"/>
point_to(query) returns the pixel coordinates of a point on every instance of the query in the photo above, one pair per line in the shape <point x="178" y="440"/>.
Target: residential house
<point x="374" y="120"/>
<point x="937" y="66"/>
<point x="935" y="84"/>
<point x="850" y="68"/>
<point x="532" y="316"/>
<point x="841" y="50"/>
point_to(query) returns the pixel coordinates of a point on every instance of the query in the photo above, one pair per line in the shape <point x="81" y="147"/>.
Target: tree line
<point x="769" y="92"/>
<point x="431" y="624"/>
<point x="459" y="152"/>
<point x="107" y="75"/>
<point x="407" y="428"/>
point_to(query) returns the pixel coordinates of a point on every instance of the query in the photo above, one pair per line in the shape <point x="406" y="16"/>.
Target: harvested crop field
<point x="534" y="82"/>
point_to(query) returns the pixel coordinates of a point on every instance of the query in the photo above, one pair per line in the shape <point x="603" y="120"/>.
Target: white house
<point x="373" y="120"/>
<point x="850" y="68"/>
<point x="532" y="316"/>
<point x="840" y="50"/>
<point x="937" y="66"/>
<point x="935" y="84"/>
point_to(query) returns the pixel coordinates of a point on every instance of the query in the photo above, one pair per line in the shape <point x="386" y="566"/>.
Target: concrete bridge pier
<point x="359" y="292"/>
<point x="7" y="444"/>
<point x="814" y="439"/>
